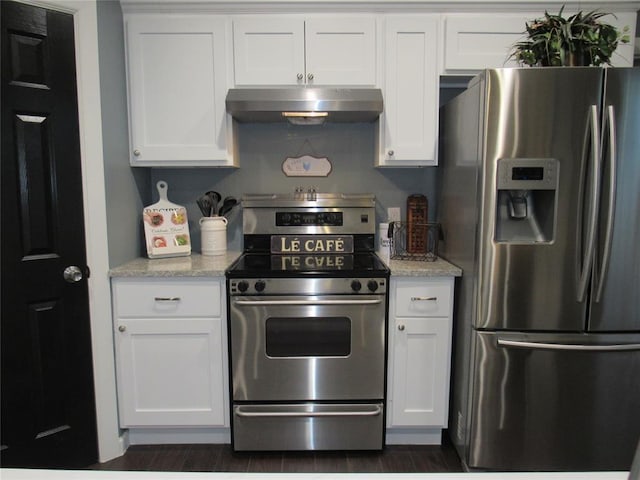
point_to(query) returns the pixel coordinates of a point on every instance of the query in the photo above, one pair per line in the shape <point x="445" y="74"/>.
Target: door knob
<point x="401" y="328"/>
<point x="72" y="274"/>
<point x="300" y="76"/>
<point x="310" y="76"/>
<point x="122" y="328"/>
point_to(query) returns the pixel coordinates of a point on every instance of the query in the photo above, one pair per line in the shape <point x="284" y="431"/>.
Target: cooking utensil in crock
<point x="215" y="198"/>
<point x="227" y="205"/>
<point x="204" y="203"/>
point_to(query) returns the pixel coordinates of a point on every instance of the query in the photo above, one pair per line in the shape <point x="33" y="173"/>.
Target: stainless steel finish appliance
<point x="300" y="105"/>
<point x="539" y="206"/>
<point x="307" y="315"/>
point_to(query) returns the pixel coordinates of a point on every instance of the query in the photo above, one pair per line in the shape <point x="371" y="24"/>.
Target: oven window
<point x="308" y="337"/>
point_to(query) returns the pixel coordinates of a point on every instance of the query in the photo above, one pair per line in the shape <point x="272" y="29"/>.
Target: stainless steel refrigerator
<point x="540" y="206"/>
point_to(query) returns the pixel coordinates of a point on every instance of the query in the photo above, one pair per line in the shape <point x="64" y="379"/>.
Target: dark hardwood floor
<point x="220" y="458"/>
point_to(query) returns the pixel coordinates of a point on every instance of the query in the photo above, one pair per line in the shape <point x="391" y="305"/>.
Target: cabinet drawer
<point x="422" y="297"/>
<point x="183" y="297"/>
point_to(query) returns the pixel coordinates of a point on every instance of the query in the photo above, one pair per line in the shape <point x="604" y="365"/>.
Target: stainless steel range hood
<point x="302" y="105"/>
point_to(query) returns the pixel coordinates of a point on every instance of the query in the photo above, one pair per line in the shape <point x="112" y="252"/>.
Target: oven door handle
<point x="375" y="301"/>
<point x="371" y="412"/>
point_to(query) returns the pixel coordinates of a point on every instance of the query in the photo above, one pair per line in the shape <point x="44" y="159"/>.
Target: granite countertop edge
<point x="197" y="265"/>
<point x="194" y="265"/>
<point x="414" y="268"/>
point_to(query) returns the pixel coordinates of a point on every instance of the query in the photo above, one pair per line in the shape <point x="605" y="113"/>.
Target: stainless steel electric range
<point x="307" y="313"/>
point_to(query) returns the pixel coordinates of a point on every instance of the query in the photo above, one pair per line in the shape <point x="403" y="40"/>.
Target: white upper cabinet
<point x="473" y="42"/>
<point x="177" y="83"/>
<point x="409" y="124"/>
<point x="293" y="50"/>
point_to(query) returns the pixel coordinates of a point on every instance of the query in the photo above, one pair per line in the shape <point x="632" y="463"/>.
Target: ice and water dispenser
<point x="526" y="200"/>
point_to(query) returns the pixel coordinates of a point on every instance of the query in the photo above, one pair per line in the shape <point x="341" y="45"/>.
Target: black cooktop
<point x="254" y="265"/>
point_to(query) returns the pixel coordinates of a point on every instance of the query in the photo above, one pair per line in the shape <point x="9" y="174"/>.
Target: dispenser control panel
<point x="528" y="173"/>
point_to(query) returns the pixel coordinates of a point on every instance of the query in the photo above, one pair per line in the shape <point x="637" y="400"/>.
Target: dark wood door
<point x="48" y="405"/>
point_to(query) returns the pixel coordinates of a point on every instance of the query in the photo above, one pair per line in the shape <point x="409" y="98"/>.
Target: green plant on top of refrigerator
<point x="580" y="39"/>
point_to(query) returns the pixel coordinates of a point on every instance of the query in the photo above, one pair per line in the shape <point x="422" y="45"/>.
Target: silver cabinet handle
<point x="401" y="328"/>
<point x="167" y="299"/>
<point x="568" y="346"/>
<point x="353" y="413"/>
<point x="307" y="302"/>
<point x="72" y="274"/>
<point x="391" y="153"/>
<point x="300" y="76"/>
<point x="424" y="299"/>
<point x="136" y="152"/>
<point x="310" y="76"/>
<point x="122" y="328"/>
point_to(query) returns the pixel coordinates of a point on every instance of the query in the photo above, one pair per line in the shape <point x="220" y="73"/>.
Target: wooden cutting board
<point x="166" y="227"/>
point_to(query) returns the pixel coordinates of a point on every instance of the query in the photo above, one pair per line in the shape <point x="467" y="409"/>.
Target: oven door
<point x="305" y="348"/>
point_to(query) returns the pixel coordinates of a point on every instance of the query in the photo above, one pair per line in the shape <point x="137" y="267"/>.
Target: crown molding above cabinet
<point x="425" y="6"/>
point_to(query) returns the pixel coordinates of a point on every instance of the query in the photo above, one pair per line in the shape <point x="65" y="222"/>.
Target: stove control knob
<point x="259" y="286"/>
<point x="356" y="285"/>
<point x="372" y="285"/>
<point x="243" y="286"/>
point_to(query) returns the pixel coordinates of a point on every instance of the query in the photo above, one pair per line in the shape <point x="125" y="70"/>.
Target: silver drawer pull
<point x="308" y="302"/>
<point x="338" y="413"/>
<point x="167" y="299"/>
<point x="424" y="299"/>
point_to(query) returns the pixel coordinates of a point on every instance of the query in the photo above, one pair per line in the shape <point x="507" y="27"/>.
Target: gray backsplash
<point x="351" y="149"/>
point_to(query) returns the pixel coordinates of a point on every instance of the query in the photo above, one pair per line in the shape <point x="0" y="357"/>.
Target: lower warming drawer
<point x="308" y="426"/>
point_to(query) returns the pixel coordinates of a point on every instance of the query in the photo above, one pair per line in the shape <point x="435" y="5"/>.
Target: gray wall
<point x="127" y="189"/>
<point x="351" y="149"/>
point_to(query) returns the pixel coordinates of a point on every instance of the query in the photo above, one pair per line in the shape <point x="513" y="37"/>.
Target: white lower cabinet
<point x="170" y="352"/>
<point x="420" y="329"/>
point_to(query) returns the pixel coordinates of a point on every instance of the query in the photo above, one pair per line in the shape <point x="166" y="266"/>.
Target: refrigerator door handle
<point x="610" y="122"/>
<point x="587" y="260"/>
<point x="567" y="346"/>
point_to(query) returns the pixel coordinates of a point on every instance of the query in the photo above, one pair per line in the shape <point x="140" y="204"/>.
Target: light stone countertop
<point x="416" y="268"/>
<point x="194" y="265"/>
<point x="197" y="265"/>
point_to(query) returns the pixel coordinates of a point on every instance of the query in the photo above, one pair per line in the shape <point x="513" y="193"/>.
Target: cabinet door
<point x="176" y="67"/>
<point x="268" y="50"/>
<point x="473" y="42"/>
<point x="341" y="51"/>
<point x="409" y="124"/>
<point x="170" y="372"/>
<point x="419" y="391"/>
